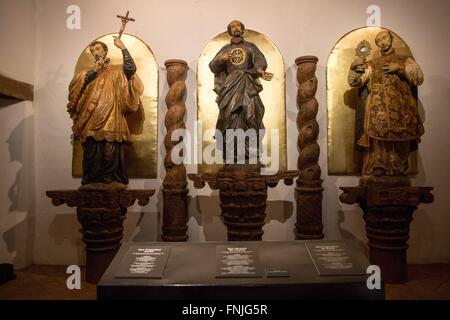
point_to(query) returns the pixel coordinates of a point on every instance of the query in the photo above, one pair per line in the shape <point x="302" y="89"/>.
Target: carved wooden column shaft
<point x="102" y="243"/>
<point x="101" y="215"/>
<point x="388" y="212"/>
<point x="309" y="184"/>
<point x="175" y="212"/>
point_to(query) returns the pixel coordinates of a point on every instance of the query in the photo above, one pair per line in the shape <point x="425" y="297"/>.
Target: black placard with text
<point x="144" y="262"/>
<point x="333" y="258"/>
<point x="238" y="262"/>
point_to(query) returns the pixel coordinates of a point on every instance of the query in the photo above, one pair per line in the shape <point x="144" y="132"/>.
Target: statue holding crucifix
<point x="99" y="101"/>
<point x="106" y="100"/>
<point x="124" y="20"/>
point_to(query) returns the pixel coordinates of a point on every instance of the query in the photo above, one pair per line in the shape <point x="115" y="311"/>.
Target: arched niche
<point x="343" y="157"/>
<point x="273" y="95"/>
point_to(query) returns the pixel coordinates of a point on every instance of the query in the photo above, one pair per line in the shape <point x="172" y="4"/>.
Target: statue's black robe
<point x="237" y="86"/>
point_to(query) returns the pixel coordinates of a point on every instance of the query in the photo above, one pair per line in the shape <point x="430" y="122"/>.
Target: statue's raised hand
<point x="359" y="65"/>
<point x="99" y="65"/>
<point x="225" y="57"/>
<point x="118" y="43"/>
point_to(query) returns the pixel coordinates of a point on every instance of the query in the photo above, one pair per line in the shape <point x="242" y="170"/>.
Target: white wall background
<point x="17" y="135"/>
<point x="38" y="48"/>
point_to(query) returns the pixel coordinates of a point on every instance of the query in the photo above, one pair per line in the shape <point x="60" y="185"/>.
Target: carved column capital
<point x="101" y="215"/>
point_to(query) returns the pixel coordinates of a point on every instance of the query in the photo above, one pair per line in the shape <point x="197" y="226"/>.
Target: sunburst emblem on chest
<point x="238" y="56"/>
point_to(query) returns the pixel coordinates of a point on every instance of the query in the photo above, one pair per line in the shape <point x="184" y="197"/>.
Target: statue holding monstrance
<point x="391" y="126"/>
<point x="99" y="101"/>
<point x="388" y="128"/>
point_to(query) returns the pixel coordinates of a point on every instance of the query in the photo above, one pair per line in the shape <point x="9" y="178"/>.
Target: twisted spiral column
<point x="309" y="184"/>
<point x="175" y="213"/>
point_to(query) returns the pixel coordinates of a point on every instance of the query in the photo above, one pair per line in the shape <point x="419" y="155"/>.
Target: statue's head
<point x="236" y="28"/>
<point x="384" y="40"/>
<point x="99" y="50"/>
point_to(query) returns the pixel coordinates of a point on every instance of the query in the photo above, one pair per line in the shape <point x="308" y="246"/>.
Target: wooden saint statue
<point x="237" y="68"/>
<point x="99" y="101"/>
<point x="391" y="126"/>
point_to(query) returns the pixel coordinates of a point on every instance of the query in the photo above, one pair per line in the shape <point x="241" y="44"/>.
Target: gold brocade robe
<point x="391" y="111"/>
<point x="391" y="117"/>
<point x="98" y="109"/>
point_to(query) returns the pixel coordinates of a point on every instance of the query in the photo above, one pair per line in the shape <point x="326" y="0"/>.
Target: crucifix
<point x="124" y="21"/>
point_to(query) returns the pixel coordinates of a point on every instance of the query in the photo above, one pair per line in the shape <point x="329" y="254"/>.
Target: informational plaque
<point x="333" y="258"/>
<point x="144" y="262"/>
<point x="238" y="262"/>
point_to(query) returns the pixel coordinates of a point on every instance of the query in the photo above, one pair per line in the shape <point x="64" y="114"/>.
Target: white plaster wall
<point x="180" y="29"/>
<point x="17" y="190"/>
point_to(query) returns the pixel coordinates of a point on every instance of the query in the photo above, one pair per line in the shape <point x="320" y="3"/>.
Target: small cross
<point x="124" y="21"/>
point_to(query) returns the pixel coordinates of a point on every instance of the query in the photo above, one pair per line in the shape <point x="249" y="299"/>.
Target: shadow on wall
<point x="18" y="222"/>
<point x="279" y="210"/>
<point x="65" y="231"/>
<point x="157" y="229"/>
<point x="146" y="227"/>
<point x="423" y="247"/>
<point x="6" y="101"/>
<point x="355" y="222"/>
<point x="206" y="212"/>
<point x="66" y="228"/>
<point x="429" y="236"/>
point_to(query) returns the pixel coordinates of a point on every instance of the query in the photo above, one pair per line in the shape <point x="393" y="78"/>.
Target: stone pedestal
<point x="243" y="196"/>
<point x="101" y="215"/>
<point x="387" y="211"/>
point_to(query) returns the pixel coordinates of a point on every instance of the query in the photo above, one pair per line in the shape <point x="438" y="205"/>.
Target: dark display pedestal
<point x="191" y="273"/>
<point x="388" y="213"/>
<point x="101" y="215"/>
<point x="243" y="198"/>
